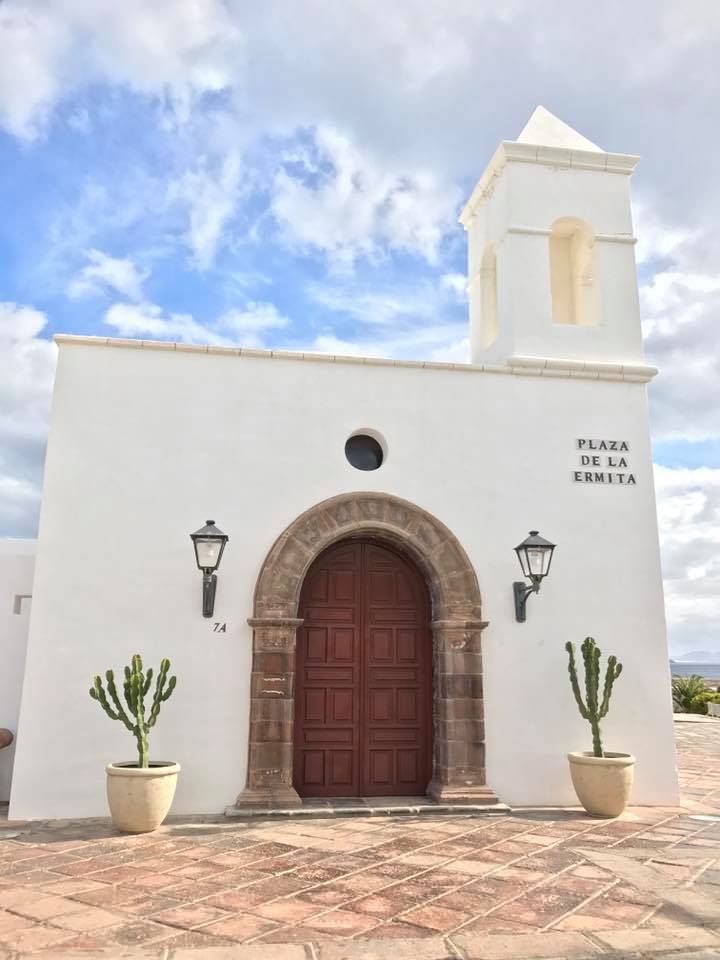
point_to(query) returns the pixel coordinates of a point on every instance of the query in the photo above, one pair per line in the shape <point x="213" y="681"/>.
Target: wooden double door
<point x="363" y="697"/>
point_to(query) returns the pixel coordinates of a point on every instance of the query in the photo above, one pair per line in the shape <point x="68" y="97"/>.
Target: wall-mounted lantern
<point x="209" y="543"/>
<point x="534" y="554"/>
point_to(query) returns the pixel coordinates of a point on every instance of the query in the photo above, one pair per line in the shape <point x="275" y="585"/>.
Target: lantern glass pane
<point x="208" y="553"/>
<point x="537" y="558"/>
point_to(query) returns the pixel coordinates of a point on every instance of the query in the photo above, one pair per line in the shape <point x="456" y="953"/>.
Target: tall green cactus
<point x="135" y="688"/>
<point x="593" y="710"/>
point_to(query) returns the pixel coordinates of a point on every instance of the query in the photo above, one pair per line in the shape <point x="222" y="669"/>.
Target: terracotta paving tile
<point x="326" y="896"/>
<point x="64" y="887"/>
<point x="192" y="890"/>
<point x="145" y="906"/>
<point x="239" y="877"/>
<point x="440" y="879"/>
<point x="241" y="927"/>
<point x="190" y="915"/>
<point x="200" y="870"/>
<point x="376" y="905"/>
<point x="578" y="886"/>
<point x="78" y="869"/>
<point x="466" y="901"/>
<point x="521" y="874"/>
<point x="393" y="871"/>
<point x="44" y="908"/>
<point x="12" y="921"/>
<point x="470" y="868"/>
<point x="161" y="864"/>
<point x="540" y="839"/>
<point x="108" y="896"/>
<point x="195" y="853"/>
<point x="539" y="907"/>
<point x="22" y="852"/>
<point x="341" y="923"/>
<point x="232" y="900"/>
<point x="301" y="934"/>
<point x="360" y="883"/>
<point x="152" y="882"/>
<point x="87" y="919"/>
<point x="397" y="930"/>
<point x="12" y="898"/>
<point x="138" y="932"/>
<point x="272" y="888"/>
<point x="229" y="858"/>
<point x="288" y="910"/>
<point x="628" y="913"/>
<point x="82" y="944"/>
<point x="436" y="918"/>
<point x="118" y="874"/>
<point x="194" y="939"/>
<point x="33" y="938"/>
<point x="312" y="874"/>
<point x="583" y="921"/>
<point x="415" y="891"/>
<point x="495" y="924"/>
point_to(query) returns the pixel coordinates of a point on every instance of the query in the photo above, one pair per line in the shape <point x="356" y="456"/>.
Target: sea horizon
<point x="686" y="668"/>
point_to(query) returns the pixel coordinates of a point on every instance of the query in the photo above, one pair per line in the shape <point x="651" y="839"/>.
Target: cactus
<point x="593" y="710"/>
<point x="136" y="687"/>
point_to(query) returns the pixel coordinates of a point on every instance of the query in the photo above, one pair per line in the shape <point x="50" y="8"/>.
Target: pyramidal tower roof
<point x="547" y="141"/>
<point x="546" y="130"/>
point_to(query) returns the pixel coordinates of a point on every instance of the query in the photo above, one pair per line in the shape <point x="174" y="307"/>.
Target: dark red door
<point x="363" y="698"/>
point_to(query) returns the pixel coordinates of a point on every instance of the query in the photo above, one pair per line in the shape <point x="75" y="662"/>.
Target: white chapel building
<point x="364" y="639"/>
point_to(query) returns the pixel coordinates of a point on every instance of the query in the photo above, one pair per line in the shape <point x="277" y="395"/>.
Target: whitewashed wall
<point x="17" y="562"/>
<point x="146" y="444"/>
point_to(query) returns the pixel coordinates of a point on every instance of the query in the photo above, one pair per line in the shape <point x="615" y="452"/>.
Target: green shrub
<point x="699" y="703"/>
<point x="684" y="692"/>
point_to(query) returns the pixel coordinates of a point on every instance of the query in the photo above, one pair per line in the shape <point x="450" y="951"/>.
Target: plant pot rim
<point x="129" y="768"/>
<point x="610" y="759"/>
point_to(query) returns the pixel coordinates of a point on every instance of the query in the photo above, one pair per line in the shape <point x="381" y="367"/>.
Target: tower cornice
<point x="511" y="151"/>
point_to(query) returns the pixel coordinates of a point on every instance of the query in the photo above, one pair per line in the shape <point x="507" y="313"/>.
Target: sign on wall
<point x="604" y="461"/>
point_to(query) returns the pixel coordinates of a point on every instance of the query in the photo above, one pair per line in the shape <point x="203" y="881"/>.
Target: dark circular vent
<point x="364" y="452"/>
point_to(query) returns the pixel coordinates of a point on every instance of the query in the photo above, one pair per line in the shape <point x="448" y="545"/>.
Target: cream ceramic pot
<point x="140" y="797"/>
<point x="603" y="784"/>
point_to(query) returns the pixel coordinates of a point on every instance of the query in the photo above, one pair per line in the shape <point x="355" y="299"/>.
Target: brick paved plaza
<point x="540" y="883"/>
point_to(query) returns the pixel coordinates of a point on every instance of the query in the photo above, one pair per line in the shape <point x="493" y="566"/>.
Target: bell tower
<point x="551" y="252"/>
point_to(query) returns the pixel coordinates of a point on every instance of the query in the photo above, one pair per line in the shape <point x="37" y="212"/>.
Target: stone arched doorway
<point x="458" y="768"/>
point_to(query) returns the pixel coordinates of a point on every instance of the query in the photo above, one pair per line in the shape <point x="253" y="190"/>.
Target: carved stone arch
<point x="459" y="749"/>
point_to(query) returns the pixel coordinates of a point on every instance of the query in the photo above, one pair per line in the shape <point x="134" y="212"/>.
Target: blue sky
<point x="289" y="175"/>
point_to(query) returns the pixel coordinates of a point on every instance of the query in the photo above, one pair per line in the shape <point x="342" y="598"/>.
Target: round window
<point x="363" y="452"/>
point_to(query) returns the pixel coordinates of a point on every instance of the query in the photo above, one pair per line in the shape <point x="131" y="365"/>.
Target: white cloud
<point x="437" y="342"/>
<point x="104" y="273"/>
<point x="25" y="391"/>
<point x="252" y="322"/>
<point x="138" y="319"/>
<point x="680" y="308"/>
<point x="33" y="45"/>
<point x="233" y="328"/>
<point x="210" y="196"/>
<point x="342" y="202"/>
<point x="175" y="49"/>
<point x="689" y="523"/>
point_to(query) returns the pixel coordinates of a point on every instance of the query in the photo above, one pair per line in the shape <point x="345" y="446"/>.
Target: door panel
<point x="363" y="699"/>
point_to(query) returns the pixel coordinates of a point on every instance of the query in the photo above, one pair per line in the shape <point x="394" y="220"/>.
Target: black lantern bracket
<point x="535" y="554"/>
<point x="209" y="543"/>
<point x="521" y="592"/>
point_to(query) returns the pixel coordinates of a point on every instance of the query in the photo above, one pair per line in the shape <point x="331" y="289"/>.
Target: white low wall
<point x="17" y="564"/>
